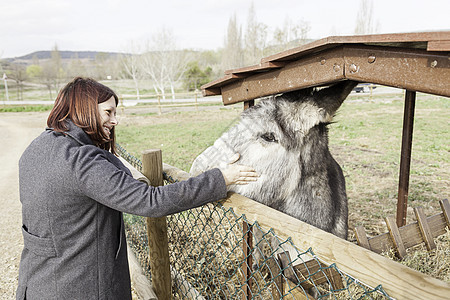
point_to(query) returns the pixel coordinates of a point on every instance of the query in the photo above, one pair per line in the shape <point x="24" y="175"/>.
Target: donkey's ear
<point x="331" y="98"/>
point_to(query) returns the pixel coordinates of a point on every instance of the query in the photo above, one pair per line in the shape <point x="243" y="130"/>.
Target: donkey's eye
<point x="269" y="137"/>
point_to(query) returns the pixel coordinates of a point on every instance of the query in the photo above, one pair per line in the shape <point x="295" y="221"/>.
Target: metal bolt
<point x="434" y="63"/>
<point x="353" y="68"/>
<point x="371" y="59"/>
<point x="336" y="68"/>
<point x="323" y="61"/>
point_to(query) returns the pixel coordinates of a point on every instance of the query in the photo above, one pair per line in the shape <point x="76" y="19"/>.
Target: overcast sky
<point x="109" y="25"/>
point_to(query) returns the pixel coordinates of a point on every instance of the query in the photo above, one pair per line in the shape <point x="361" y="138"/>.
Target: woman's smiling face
<point x="107" y="112"/>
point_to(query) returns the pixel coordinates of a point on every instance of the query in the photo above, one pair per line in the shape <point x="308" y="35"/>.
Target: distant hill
<point x="43" y="55"/>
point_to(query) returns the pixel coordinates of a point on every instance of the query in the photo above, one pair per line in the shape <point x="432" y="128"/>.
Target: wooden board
<point x="410" y="234"/>
<point x="410" y="69"/>
<point x="140" y="283"/>
<point x="370" y="268"/>
<point x="412" y="74"/>
<point x="424" y="228"/>
<point x="312" y="71"/>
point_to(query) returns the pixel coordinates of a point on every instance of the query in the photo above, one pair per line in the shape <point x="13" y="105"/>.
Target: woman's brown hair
<point x="78" y="101"/>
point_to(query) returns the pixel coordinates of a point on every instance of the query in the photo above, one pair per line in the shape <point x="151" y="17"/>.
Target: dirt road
<point x="17" y="130"/>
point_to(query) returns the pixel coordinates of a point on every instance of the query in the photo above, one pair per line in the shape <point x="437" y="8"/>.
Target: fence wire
<point x="216" y="254"/>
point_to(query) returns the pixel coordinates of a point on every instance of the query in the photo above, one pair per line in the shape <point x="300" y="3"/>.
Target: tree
<point x="255" y="38"/>
<point x="163" y="63"/>
<point x="131" y="63"/>
<point x="76" y="67"/>
<point x="364" y="20"/>
<point x="176" y="67"/>
<point x="56" y="64"/>
<point x="53" y="72"/>
<point x="19" y="75"/>
<point x="48" y="77"/>
<point x="34" y="71"/>
<point x="131" y="68"/>
<point x="194" y="77"/>
<point x="292" y="34"/>
<point x="153" y="69"/>
<point x="232" y="53"/>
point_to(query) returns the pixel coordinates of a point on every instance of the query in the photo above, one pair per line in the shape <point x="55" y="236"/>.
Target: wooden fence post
<point x="159" y="104"/>
<point x="196" y="102"/>
<point x="157" y="230"/>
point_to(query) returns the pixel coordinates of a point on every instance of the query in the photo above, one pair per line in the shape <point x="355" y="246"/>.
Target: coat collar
<point x="76" y="133"/>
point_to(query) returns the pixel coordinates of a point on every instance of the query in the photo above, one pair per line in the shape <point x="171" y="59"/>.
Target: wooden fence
<point x="402" y="238"/>
<point x="191" y="99"/>
<point x="368" y="267"/>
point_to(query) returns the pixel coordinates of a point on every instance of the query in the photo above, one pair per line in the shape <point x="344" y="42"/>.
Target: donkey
<point x="285" y="139"/>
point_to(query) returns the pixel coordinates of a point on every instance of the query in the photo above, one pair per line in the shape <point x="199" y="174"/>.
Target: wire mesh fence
<point x="217" y="254"/>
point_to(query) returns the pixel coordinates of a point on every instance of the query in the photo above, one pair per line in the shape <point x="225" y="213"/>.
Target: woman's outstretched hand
<point x="238" y="174"/>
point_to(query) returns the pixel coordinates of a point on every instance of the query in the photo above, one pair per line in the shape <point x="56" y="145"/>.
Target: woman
<point x="73" y="191"/>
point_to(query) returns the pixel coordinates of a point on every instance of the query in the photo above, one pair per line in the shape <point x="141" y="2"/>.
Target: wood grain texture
<point x="158" y="243"/>
<point x="361" y="237"/>
<point x="370" y="268"/>
<point x="424" y="228"/>
<point x="141" y="284"/>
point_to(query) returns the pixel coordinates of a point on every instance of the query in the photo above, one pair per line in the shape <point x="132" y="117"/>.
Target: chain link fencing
<point x="217" y="254"/>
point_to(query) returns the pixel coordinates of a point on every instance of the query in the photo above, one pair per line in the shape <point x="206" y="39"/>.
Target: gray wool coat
<point x="73" y="195"/>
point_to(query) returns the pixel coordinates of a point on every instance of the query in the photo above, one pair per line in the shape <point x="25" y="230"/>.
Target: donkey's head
<point x="279" y="137"/>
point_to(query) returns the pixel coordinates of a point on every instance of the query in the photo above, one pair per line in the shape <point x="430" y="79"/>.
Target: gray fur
<point x="285" y="138"/>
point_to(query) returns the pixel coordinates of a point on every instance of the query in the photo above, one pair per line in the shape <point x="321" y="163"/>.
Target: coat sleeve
<point x="104" y="182"/>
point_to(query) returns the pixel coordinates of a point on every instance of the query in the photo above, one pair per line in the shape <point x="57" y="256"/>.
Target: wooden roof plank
<point x="256" y="68"/>
<point x="411" y="69"/>
<point x="314" y="71"/>
<point x="218" y="82"/>
<point x="438" y="45"/>
<point x="427" y="76"/>
<point x="379" y="39"/>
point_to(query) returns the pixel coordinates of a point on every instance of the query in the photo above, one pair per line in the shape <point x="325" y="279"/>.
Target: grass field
<point x="365" y="140"/>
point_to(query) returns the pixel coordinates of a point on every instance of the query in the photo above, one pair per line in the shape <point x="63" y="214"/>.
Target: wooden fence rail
<point x="161" y="104"/>
<point x="424" y="230"/>
<point x="397" y="280"/>
<point x="367" y="266"/>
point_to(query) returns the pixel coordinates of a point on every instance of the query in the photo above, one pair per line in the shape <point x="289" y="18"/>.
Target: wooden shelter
<point x="416" y="62"/>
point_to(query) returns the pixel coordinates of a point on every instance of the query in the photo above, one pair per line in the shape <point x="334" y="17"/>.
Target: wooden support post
<point x="196" y="102"/>
<point x="248" y="104"/>
<point x="157" y="230"/>
<point x="122" y="106"/>
<point x="299" y="290"/>
<point x="445" y="206"/>
<point x="159" y="104"/>
<point x="361" y="237"/>
<point x="277" y="288"/>
<point x="405" y="160"/>
<point x="247" y="247"/>
<point x="424" y="228"/>
<point x="395" y="236"/>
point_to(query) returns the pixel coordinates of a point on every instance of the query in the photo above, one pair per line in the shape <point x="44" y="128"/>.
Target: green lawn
<point x="365" y="139"/>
